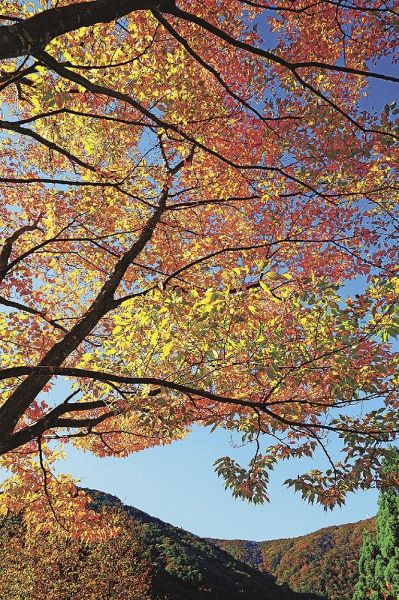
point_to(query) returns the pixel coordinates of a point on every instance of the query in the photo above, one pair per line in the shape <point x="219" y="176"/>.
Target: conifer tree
<point x="379" y="555"/>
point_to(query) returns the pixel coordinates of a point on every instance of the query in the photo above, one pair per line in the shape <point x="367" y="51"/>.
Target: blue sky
<point x="177" y="484"/>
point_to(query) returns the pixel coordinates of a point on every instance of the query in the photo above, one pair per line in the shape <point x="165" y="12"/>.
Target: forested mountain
<point x="324" y="562"/>
<point x="153" y="560"/>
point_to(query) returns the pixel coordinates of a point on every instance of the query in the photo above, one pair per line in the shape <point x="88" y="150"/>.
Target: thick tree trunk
<point x="27" y="391"/>
<point x="32" y="35"/>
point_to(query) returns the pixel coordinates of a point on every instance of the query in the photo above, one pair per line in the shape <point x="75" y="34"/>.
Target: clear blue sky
<point x="177" y="484"/>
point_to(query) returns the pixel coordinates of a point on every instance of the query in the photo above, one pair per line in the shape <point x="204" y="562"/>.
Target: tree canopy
<point x="187" y="189"/>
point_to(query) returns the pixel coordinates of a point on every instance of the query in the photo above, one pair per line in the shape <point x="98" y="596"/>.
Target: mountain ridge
<point x="183" y="537"/>
<point x="154" y="560"/>
<point x="323" y="562"/>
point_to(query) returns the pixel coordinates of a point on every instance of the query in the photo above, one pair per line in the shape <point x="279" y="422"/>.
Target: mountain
<point x="323" y="562"/>
<point x="153" y="560"/>
<point x="187" y="566"/>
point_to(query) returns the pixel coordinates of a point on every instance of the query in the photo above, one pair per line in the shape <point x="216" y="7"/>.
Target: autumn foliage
<point x="186" y="191"/>
<point x="50" y="566"/>
<point x="323" y="562"/>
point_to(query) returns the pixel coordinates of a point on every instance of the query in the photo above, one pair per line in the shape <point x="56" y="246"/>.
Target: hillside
<point x="153" y="560"/>
<point x="150" y="560"/>
<point x="323" y="562"/>
<point x="186" y="565"/>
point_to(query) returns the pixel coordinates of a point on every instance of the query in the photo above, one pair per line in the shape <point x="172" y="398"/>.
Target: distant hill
<point x="153" y="560"/>
<point x="323" y="562"/>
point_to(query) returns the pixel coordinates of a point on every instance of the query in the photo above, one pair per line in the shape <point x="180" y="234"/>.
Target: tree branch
<point x="24" y="395"/>
<point x="52" y="421"/>
<point x="7" y="247"/>
<point x="32" y="35"/>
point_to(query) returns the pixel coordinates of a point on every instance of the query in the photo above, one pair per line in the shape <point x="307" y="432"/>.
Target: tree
<point x="50" y="566"/>
<point x="379" y="555"/>
<point x="186" y="189"/>
<point x="365" y="582"/>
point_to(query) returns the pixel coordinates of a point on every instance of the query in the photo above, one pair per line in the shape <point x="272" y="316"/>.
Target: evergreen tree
<point x="379" y="556"/>
<point x="365" y="583"/>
